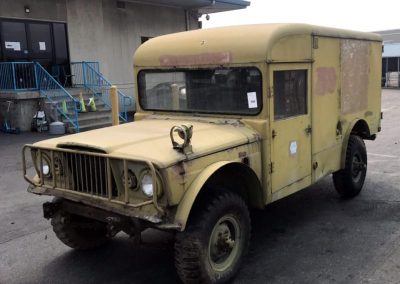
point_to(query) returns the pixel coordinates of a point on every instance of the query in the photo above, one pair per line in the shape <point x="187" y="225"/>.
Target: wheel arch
<point x="242" y="180"/>
<point x="357" y="127"/>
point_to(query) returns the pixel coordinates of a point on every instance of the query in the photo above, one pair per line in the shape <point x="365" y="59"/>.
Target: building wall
<point x="99" y="31"/>
<point x="49" y="10"/>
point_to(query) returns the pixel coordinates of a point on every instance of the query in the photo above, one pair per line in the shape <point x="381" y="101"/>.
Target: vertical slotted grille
<point x="81" y="173"/>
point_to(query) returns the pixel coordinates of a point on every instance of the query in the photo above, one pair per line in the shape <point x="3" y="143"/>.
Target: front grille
<point x="81" y="173"/>
<point x="87" y="172"/>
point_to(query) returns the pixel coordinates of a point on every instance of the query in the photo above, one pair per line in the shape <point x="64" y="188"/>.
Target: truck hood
<point x="149" y="139"/>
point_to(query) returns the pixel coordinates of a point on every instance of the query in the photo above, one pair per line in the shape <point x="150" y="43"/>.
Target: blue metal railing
<point x="17" y="76"/>
<point x="87" y="74"/>
<point x="78" y="71"/>
<point x="65" y="104"/>
<point x="31" y="76"/>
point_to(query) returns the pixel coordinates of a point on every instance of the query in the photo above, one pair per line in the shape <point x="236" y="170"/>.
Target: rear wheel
<point x="350" y="180"/>
<point x="215" y="241"/>
<point x="79" y="232"/>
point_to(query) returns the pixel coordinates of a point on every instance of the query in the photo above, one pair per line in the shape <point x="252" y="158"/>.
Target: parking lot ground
<point x="310" y="237"/>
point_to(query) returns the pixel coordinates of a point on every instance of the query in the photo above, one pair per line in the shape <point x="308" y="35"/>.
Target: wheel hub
<point x="358" y="166"/>
<point x="223" y="245"/>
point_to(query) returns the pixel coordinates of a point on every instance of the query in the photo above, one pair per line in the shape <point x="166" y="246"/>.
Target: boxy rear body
<point x="319" y="85"/>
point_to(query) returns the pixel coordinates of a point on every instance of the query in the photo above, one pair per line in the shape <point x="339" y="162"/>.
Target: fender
<point x="183" y="211"/>
<point x="346" y="140"/>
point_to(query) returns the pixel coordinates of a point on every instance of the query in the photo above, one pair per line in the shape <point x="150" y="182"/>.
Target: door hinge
<point x="273" y="135"/>
<point x="271" y="167"/>
<point x="270" y="92"/>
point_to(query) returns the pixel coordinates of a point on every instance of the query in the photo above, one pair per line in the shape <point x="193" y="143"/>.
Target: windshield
<point x="223" y="90"/>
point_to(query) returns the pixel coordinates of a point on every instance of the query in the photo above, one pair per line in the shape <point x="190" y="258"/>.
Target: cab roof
<point x="235" y="44"/>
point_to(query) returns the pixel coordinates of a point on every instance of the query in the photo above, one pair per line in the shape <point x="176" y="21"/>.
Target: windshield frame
<point x="162" y="70"/>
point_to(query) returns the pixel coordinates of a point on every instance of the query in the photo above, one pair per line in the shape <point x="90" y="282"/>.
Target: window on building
<point x="290" y="93"/>
<point x="393" y="64"/>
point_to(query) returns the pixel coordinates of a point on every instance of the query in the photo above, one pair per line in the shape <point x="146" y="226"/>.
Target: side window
<point x="290" y="93"/>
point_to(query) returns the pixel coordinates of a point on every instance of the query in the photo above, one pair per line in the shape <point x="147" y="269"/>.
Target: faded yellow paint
<point x="188" y="199"/>
<point x="326" y="107"/>
<point x="282" y="155"/>
<point x="283" y="51"/>
<point x="291" y="146"/>
<point x="245" y="44"/>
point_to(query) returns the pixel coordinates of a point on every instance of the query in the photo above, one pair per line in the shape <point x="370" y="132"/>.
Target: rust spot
<point x="368" y="113"/>
<point x="326" y="80"/>
<point x="179" y="169"/>
<point x="196" y="59"/>
<point x="242" y="154"/>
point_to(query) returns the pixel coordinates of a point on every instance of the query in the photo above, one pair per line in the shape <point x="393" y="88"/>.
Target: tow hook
<point x="130" y="227"/>
<point x="50" y="209"/>
<point x="113" y="226"/>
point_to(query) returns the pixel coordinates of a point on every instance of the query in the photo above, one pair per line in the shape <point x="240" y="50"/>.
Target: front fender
<point x="184" y="207"/>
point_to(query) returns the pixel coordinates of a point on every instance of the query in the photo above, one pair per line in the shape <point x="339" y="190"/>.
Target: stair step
<point x="94" y="114"/>
<point x="91" y="126"/>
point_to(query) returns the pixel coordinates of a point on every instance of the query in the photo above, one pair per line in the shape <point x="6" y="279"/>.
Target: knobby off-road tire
<point x="215" y="241"/>
<point x="350" y="180"/>
<point x="78" y="232"/>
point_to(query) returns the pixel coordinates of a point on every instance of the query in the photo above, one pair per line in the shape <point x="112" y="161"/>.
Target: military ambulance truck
<point x="227" y="119"/>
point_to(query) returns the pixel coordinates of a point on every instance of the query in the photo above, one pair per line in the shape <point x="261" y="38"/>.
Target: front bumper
<point x="66" y="182"/>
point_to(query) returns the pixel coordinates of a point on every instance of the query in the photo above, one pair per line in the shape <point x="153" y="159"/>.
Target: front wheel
<point x="79" y="232"/>
<point x="350" y="180"/>
<point x="215" y="241"/>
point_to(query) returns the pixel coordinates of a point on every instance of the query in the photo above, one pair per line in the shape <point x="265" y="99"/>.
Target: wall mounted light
<point x="27" y="9"/>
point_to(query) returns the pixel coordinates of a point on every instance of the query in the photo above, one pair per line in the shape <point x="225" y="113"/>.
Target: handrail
<point x="94" y="81"/>
<point x="31" y="76"/>
<point x="48" y="87"/>
<point x="17" y="76"/>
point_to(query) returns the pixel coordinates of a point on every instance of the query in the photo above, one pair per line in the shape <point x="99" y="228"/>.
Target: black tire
<point x="350" y="180"/>
<point x="79" y="232"/>
<point x="215" y="241"/>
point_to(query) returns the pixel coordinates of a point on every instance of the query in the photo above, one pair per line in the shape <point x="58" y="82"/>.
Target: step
<point x="91" y="126"/>
<point x="89" y="120"/>
<point x="94" y="114"/>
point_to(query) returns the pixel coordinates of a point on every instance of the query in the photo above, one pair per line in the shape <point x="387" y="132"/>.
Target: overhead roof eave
<point x="203" y="6"/>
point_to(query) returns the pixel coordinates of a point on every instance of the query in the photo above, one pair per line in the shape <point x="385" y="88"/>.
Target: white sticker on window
<point x="252" y="99"/>
<point x="293" y="148"/>
<point x="15" y="45"/>
<point x="42" y="45"/>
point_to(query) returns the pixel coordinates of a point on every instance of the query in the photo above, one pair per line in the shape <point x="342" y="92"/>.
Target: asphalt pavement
<point x="312" y="236"/>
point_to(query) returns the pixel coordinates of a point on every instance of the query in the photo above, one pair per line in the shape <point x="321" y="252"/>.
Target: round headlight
<point x="46" y="166"/>
<point x="147" y="185"/>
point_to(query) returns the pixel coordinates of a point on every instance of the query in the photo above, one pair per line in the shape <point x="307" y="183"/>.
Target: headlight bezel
<point x="146" y="174"/>
<point x="42" y="163"/>
<point x="156" y="188"/>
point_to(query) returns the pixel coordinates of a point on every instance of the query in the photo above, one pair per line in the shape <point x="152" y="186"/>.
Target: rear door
<point x="290" y="127"/>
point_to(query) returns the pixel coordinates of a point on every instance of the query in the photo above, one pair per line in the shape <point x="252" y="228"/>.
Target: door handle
<point x="308" y="130"/>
